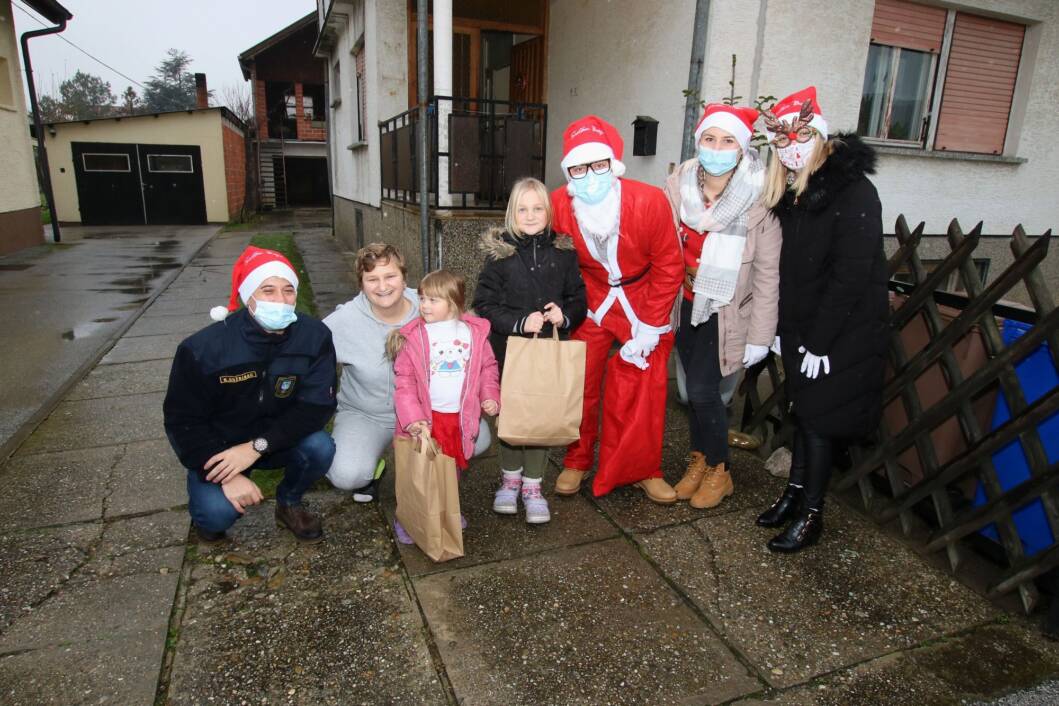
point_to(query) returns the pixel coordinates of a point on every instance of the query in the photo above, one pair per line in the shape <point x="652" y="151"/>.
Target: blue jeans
<point x="305" y="464"/>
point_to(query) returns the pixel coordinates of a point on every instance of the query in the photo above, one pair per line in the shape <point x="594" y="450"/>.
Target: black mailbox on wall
<point x="644" y="135"/>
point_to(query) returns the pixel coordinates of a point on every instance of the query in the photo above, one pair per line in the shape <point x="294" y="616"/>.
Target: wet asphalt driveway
<point x="64" y="304"/>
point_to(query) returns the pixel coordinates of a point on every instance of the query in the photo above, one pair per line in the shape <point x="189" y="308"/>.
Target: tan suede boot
<point x="687" y="485"/>
<point x="657" y="490"/>
<point x="569" y="481"/>
<point x="716" y="486"/>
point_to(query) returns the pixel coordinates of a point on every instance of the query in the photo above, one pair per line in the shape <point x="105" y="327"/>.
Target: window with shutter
<point x="902" y="84"/>
<point x="979" y="84"/>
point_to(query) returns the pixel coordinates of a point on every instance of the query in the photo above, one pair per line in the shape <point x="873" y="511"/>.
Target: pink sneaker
<point x="505" y="502"/>
<point x="537" y="512"/>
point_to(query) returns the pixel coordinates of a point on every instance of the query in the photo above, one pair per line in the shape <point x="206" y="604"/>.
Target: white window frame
<point x="188" y="157"/>
<point x="933" y="93"/>
<point x="128" y="162"/>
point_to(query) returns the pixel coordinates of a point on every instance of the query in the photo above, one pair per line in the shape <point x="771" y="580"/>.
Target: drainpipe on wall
<point x="422" y="46"/>
<point x="698" y="60"/>
<point x="42" y="162"/>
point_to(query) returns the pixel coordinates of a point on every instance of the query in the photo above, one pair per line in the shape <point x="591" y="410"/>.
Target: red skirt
<point x="446" y="431"/>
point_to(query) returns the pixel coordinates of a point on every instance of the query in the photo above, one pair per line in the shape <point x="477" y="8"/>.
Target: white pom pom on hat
<point x="253" y="267"/>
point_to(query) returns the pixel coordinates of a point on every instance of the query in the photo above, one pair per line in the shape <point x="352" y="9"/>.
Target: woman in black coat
<point x="833" y="302"/>
<point x="529" y="283"/>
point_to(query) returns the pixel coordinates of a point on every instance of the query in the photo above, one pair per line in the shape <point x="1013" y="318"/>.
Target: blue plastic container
<point x="1037" y="376"/>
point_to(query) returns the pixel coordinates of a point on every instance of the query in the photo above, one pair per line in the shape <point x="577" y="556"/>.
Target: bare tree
<point x="236" y="98"/>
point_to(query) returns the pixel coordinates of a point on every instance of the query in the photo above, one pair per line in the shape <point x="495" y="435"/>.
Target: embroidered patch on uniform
<point x="241" y="377"/>
<point x="285" y="385"/>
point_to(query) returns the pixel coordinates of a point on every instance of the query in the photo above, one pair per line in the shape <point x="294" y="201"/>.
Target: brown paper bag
<point x="542" y="391"/>
<point x="428" y="498"/>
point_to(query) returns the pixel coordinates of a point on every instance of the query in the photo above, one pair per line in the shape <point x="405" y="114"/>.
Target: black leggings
<point x="811" y="465"/>
<point x="697" y="347"/>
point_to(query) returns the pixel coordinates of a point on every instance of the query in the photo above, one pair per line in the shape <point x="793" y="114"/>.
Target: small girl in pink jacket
<point x="445" y="374"/>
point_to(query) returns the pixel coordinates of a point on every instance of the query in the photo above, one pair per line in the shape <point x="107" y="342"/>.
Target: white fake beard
<point x="599" y="220"/>
<point x="795" y="155"/>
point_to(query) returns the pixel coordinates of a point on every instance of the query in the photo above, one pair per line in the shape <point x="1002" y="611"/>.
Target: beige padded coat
<point x="752" y="315"/>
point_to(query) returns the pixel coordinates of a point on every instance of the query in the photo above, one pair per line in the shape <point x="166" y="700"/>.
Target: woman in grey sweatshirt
<point x="363" y="427"/>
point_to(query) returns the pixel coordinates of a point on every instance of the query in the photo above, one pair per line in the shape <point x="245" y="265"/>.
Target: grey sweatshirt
<point x="360" y="342"/>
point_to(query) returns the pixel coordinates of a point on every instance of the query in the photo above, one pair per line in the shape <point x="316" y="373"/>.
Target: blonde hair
<point x="442" y="284"/>
<point x="520" y="188"/>
<point x="776" y="179"/>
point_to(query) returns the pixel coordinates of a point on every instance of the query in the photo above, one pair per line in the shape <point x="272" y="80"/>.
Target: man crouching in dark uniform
<point x="253" y="391"/>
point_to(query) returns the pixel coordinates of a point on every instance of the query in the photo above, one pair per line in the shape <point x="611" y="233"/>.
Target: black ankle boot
<point x="802" y="533"/>
<point x="783" y="509"/>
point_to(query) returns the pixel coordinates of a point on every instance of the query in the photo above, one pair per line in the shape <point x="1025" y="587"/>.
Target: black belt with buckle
<point x="625" y="281"/>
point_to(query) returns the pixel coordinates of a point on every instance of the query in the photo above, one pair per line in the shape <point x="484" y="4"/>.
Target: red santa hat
<point x="788" y="110"/>
<point x="735" y="120"/>
<point x="253" y="267"/>
<point x="590" y="139"/>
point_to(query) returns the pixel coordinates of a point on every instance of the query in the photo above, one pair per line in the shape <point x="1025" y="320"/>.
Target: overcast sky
<point x="133" y="35"/>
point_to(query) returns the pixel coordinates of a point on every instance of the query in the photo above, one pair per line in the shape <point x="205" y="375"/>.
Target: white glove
<point x="811" y="364"/>
<point x="776" y="346"/>
<point x="754" y="354"/>
<point x="638" y="348"/>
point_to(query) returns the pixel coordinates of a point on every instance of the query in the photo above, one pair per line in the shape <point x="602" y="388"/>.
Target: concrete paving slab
<point x="271" y="621"/>
<point x="123" y="671"/>
<point x="184" y="306"/>
<point x="71" y="300"/>
<point x="490" y="536"/>
<point x="754" y="489"/>
<point x="162" y="325"/>
<point x="149" y="477"/>
<point x="90" y="610"/>
<point x="56" y="488"/>
<point x="98" y="422"/>
<point x="131" y="350"/>
<point x="162" y="561"/>
<point x="980" y="664"/>
<point x="795" y="617"/>
<point x="588" y="624"/>
<point x="123" y="379"/>
<point x="34" y="564"/>
<point x="154" y="531"/>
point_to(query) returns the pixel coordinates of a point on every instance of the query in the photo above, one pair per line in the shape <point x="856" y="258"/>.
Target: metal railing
<point x="954" y="488"/>
<point x="491" y="144"/>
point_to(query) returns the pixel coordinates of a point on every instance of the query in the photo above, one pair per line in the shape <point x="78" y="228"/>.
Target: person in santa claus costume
<point x="632" y="265"/>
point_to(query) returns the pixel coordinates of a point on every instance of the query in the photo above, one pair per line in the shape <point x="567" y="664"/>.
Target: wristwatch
<point x="260" y="445"/>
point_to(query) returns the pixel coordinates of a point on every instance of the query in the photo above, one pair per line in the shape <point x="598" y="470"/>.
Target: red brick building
<point x="290" y="109"/>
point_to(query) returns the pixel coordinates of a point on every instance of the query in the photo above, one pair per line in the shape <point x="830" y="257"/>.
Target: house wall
<point x="305" y="128"/>
<point x="639" y="67"/>
<point x="383" y="24"/>
<point x="19" y="195"/>
<point x="781" y="47"/>
<point x="234" y="168"/>
<point x="202" y="128"/>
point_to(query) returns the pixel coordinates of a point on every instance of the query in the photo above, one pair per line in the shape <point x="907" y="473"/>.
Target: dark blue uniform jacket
<point x="232" y="382"/>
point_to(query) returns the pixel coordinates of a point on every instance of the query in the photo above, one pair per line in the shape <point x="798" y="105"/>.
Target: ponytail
<point x="395" y="341"/>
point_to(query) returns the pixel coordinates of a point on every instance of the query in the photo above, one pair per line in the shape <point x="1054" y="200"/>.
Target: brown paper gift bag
<point x="542" y="391"/>
<point x="428" y="498"/>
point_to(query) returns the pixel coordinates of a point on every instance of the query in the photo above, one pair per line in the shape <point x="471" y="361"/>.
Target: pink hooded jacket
<point x="412" y="379"/>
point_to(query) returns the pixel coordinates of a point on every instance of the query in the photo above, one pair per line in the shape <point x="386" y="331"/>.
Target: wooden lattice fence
<point x="938" y="490"/>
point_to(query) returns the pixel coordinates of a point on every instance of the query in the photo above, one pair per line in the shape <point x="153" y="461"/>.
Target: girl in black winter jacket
<point x="530" y="282"/>
<point x="833" y="301"/>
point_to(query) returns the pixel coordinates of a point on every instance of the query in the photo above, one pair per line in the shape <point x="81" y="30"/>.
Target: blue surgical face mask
<point x="274" y="316"/>
<point x="718" y="162"/>
<point x="592" y="188"/>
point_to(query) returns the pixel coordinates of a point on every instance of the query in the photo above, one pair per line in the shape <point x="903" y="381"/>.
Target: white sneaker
<point x="536" y="506"/>
<point x="505" y="502"/>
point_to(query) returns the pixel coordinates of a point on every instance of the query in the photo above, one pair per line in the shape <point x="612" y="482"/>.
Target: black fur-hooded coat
<point x="833" y="293"/>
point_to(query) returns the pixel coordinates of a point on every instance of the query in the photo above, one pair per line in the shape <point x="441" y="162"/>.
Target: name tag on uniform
<point x="285" y="385"/>
<point x="241" y="377"/>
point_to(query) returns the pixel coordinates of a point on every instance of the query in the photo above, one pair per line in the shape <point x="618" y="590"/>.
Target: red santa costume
<point x="632" y="265"/>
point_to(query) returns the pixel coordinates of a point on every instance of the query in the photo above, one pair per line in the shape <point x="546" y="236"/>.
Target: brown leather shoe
<point x="687" y="485"/>
<point x="304" y="525"/>
<point x="657" y="490"/>
<point x="716" y="486"/>
<point x="742" y="440"/>
<point x="569" y="481"/>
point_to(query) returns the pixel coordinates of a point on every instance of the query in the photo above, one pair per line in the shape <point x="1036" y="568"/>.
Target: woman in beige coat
<point x="726" y="316"/>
